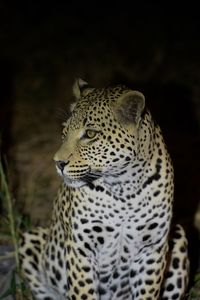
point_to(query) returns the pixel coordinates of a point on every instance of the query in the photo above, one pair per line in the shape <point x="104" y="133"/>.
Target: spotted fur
<point x="110" y="228"/>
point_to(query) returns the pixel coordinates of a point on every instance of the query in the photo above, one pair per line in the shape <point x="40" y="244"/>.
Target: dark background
<point x="151" y="46"/>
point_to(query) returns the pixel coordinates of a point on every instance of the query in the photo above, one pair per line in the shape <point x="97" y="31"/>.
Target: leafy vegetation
<point x="195" y="290"/>
<point x="10" y="225"/>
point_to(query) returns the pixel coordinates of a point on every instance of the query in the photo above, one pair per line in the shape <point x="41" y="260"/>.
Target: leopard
<point x="111" y="234"/>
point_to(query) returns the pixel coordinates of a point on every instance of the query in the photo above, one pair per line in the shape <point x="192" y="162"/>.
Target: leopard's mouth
<point x="83" y="179"/>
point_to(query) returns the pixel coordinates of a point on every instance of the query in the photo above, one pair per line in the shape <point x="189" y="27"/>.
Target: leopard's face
<point x="95" y="141"/>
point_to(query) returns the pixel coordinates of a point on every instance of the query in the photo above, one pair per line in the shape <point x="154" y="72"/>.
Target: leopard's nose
<point x="61" y="164"/>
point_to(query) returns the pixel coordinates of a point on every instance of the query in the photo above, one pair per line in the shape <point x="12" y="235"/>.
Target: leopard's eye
<point x="90" y="134"/>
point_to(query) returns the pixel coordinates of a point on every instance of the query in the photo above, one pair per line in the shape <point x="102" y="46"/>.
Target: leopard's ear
<point x="129" y="107"/>
<point x="81" y="88"/>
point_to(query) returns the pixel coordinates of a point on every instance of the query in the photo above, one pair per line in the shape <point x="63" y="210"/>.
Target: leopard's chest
<point x="101" y="223"/>
<point x="111" y="232"/>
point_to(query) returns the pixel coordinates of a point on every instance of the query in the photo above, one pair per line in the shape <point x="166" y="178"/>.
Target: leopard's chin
<point x="74" y="183"/>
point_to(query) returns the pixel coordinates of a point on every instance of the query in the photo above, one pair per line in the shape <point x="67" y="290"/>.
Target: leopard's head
<point x="100" y="136"/>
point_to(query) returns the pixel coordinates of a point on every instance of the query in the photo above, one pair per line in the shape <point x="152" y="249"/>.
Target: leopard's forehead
<point x="95" y="103"/>
<point x="105" y="95"/>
